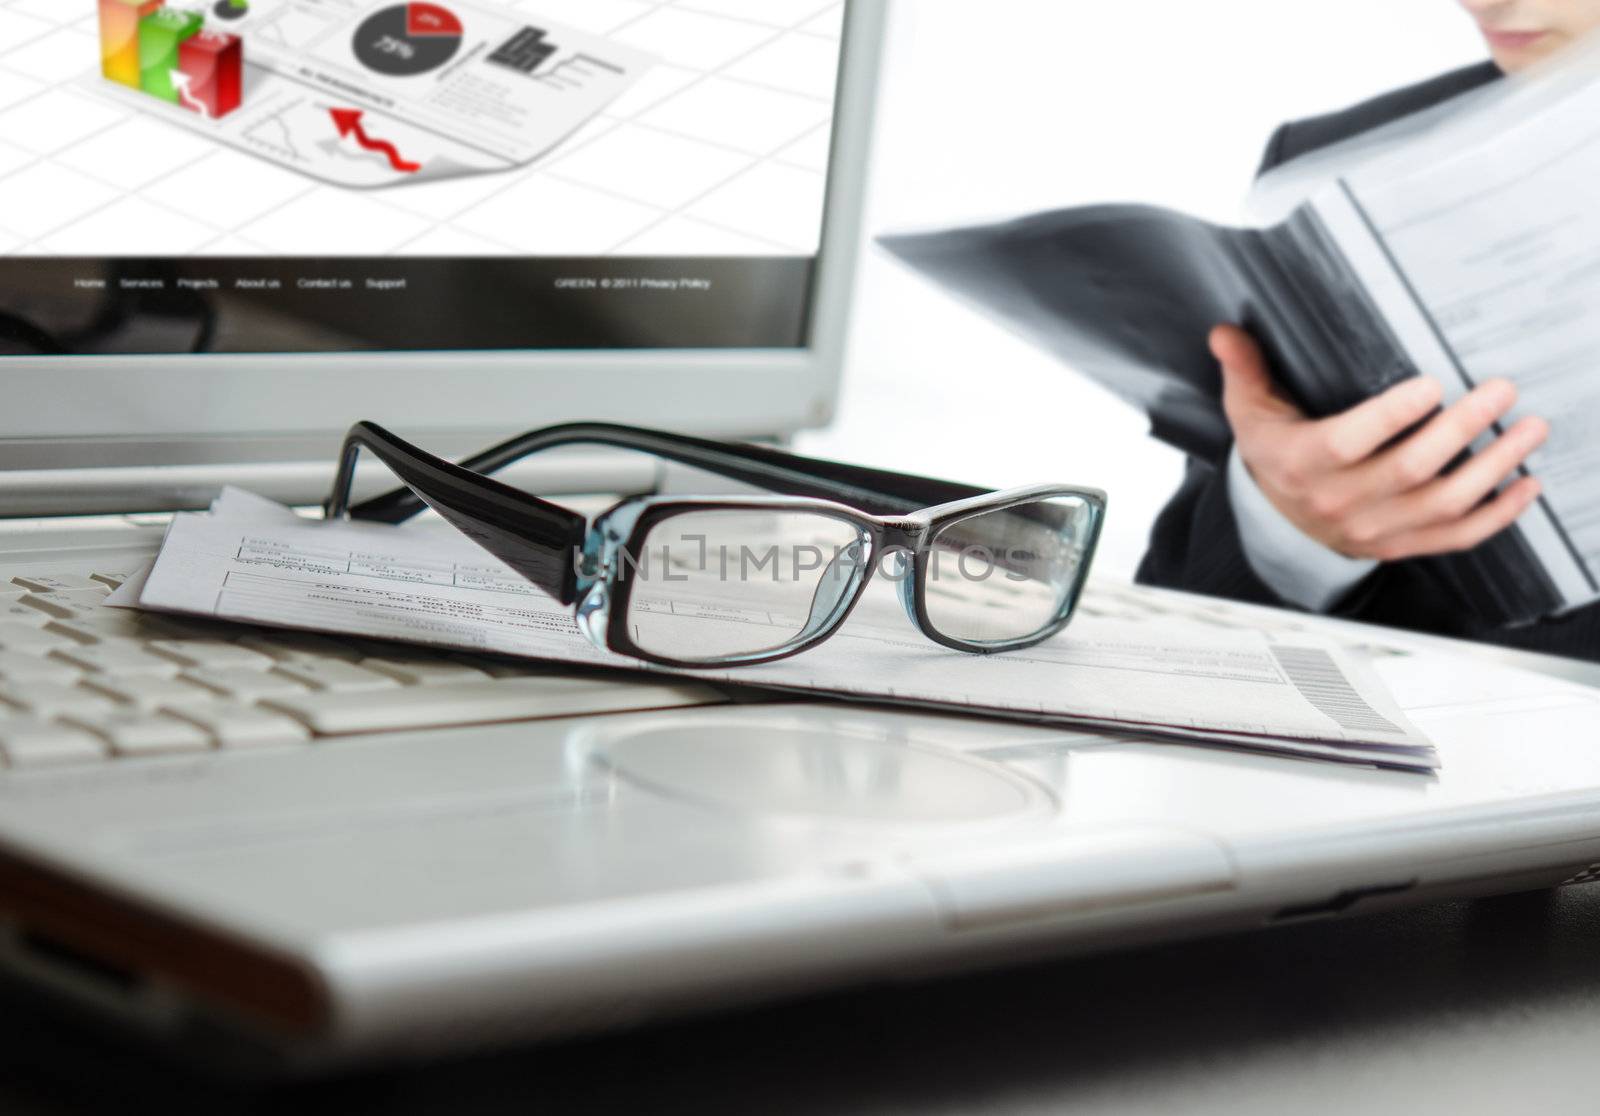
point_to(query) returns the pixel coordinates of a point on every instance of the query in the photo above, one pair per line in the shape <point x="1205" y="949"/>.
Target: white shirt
<point x="1294" y="565"/>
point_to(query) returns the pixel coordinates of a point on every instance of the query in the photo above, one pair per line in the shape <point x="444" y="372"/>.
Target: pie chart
<point x="408" y="39"/>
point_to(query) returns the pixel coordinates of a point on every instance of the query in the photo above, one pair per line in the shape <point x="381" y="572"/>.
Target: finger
<point x="1349" y="439"/>
<point x="1249" y="395"/>
<point x="1420" y="459"/>
<point x="1452" y="497"/>
<point x="1465" y="533"/>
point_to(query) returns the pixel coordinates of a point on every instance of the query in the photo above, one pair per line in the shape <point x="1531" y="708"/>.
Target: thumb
<point x="1248" y="394"/>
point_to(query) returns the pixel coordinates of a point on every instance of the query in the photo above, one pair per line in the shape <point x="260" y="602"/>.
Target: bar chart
<point x="210" y="64"/>
<point x="170" y="54"/>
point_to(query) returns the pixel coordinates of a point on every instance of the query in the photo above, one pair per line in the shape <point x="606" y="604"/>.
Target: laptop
<point x="211" y="267"/>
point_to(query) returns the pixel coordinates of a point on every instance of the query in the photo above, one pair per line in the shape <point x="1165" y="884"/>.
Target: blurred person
<point x="1338" y="515"/>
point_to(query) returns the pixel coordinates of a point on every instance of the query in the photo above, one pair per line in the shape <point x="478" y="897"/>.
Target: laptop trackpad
<point x="755" y="766"/>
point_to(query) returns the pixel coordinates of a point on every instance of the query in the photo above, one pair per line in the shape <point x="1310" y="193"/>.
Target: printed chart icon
<point x="408" y="39"/>
<point x="360" y="94"/>
<point x="168" y="54"/>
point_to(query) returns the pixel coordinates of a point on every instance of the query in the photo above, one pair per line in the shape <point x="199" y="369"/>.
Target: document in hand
<point x="254" y="562"/>
<point x="1462" y="244"/>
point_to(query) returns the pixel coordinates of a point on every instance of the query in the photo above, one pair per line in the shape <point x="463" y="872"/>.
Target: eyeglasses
<point x="713" y="582"/>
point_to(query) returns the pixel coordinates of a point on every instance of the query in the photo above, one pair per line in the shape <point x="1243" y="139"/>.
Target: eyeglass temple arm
<point x="872" y="490"/>
<point x="536" y="538"/>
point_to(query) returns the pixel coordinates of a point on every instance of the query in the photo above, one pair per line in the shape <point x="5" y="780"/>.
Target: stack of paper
<point x="256" y="562"/>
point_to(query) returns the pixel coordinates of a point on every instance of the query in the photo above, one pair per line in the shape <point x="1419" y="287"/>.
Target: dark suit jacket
<point x="1195" y="544"/>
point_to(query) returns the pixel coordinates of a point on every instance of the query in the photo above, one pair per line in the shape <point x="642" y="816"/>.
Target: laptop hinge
<point x="38" y="493"/>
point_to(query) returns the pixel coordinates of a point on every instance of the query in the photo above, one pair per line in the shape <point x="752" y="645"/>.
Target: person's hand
<point x="1341" y="481"/>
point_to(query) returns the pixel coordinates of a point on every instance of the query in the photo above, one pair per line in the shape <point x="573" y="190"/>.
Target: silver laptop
<point x="186" y="306"/>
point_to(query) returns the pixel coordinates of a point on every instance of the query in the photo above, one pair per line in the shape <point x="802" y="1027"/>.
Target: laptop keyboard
<point x="81" y="683"/>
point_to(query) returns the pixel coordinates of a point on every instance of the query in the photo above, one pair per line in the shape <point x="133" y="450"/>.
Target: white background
<point x="993" y="108"/>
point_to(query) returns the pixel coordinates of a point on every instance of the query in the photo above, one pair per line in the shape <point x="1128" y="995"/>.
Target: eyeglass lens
<point x="1007" y="576"/>
<point x="726" y="584"/>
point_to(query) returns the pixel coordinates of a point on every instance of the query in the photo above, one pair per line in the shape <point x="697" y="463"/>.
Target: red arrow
<point x="348" y="121"/>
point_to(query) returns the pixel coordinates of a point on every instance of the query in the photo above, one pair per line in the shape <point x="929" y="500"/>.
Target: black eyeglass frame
<point x="558" y="551"/>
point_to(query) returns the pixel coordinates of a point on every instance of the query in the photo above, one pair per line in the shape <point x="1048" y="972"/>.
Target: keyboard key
<point x="335" y="675"/>
<point x="211" y="654"/>
<point x="58" y="606"/>
<point x="18" y="667"/>
<point x="114" y="625"/>
<point x="50" y="699"/>
<point x="47" y="744"/>
<point x="503" y="668"/>
<point x="293" y="647"/>
<point x="66" y="605"/>
<point x="110" y="580"/>
<point x="245" y="685"/>
<point x="58" y="583"/>
<point x="476" y="703"/>
<point x="118" y="623"/>
<point x="425" y="672"/>
<point x="120" y="658"/>
<point x="142" y="734"/>
<point x="150" y="694"/>
<point x="15" y="612"/>
<point x="25" y="637"/>
<point x="231" y="726"/>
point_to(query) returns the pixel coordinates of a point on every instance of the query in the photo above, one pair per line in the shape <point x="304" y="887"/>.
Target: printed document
<point x="255" y="563"/>
<point x="1488" y="263"/>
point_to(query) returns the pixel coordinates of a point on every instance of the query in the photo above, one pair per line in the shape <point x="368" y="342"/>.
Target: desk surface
<point x="1488" y="1006"/>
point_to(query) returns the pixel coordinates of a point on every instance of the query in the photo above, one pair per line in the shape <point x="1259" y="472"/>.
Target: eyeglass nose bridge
<point x="899" y="540"/>
<point x="901" y="534"/>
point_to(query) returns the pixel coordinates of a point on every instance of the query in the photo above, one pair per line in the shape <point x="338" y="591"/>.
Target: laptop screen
<point x="290" y="176"/>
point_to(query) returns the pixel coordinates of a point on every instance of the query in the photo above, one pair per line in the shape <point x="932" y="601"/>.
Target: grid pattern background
<point x="720" y="150"/>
